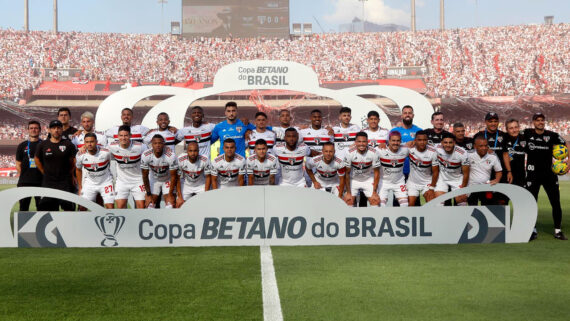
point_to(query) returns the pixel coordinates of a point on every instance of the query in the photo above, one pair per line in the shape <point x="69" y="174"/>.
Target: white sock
<point x="557" y="230"/>
<point x="534" y="230"/>
<point x="462" y="204"/>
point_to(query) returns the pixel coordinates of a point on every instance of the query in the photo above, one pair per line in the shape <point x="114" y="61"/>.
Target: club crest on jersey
<point x="500" y="139"/>
<point x="291" y="161"/>
<point x="62" y="148"/>
<point x="546" y="138"/>
<point x="469" y="146"/>
<point x="413" y="135"/>
<point x="523" y="144"/>
<point x="394" y="162"/>
<point x="239" y="128"/>
<point x="317" y="141"/>
<point x="346" y="137"/>
<point x="197" y="138"/>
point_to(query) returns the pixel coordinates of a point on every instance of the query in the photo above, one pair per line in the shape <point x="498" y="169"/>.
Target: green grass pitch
<point x="427" y="282"/>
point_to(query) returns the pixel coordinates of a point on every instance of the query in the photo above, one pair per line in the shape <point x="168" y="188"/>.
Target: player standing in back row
<point x="197" y="132"/>
<point x="539" y="168"/>
<point x="261" y="132"/>
<point x="345" y="133"/>
<point x="137" y="131"/>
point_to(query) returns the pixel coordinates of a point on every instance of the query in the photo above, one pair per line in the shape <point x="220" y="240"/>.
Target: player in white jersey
<point x="362" y="171"/>
<point x="377" y="136"/>
<point x="97" y="178"/>
<point x="327" y="171"/>
<point x="392" y="175"/>
<point x="316" y="135"/>
<point x="284" y="123"/>
<point x="197" y="132"/>
<point x="228" y="169"/>
<point x="481" y="165"/>
<point x="261" y="167"/>
<point x="138" y="132"/>
<point x="453" y="168"/>
<point x="424" y="170"/>
<point x="261" y="132"/>
<point x="194" y="172"/>
<point x="162" y="165"/>
<point x="164" y="130"/>
<point x="127" y="154"/>
<point x="290" y="155"/>
<point x="88" y="124"/>
<point x="344" y="133"/>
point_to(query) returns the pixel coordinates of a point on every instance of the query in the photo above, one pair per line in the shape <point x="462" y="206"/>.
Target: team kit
<point x="363" y="167"/>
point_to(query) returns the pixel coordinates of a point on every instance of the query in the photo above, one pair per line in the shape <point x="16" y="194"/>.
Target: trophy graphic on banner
<point x="110" y="225"/>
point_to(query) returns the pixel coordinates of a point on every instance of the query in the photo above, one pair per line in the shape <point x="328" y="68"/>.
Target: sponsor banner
<point x="257" y="215"/>
<point x="61" y="74"/>
<point x="407" y="72"/>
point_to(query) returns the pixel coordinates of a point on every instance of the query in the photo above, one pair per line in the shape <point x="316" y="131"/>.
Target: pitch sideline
<point x="271" y="301"/>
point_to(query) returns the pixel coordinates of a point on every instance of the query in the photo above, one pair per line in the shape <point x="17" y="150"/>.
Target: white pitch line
<point x="271" y="302"/>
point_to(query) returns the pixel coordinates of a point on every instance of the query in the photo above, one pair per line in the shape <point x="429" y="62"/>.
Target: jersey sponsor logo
<point x="532" y="146"/>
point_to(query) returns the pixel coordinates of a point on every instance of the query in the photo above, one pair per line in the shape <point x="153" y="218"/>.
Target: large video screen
<point x="235" y="18"/>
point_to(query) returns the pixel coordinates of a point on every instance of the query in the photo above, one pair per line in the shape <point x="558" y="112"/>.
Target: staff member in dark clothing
<point x="461" y="140"/>
<point x="496" y="139"/>
<point x="64" y="116"/>
<point x="435" y="134"/>
<point x="539" y="168"/>
<point x="514" y="154"/>
<point x="55" y="158"/>
<point x="28" y="172"/>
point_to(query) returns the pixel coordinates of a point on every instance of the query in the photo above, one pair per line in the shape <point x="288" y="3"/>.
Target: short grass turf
<point x="427" y="282"/>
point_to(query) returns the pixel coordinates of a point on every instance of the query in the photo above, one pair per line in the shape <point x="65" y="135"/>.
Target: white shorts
<point x="443" y="186"/>
<point x="366" y="187"/>
<point x="106" y="190"/>
<point x="400" y="190"/>
<point x="125" y="189"/>
<point x="333" y="189"/>
<point x="416" y="190"/>
<point x="157" y="186"/>
<point x="300" y="183"/>
<point x="189" y="191"/>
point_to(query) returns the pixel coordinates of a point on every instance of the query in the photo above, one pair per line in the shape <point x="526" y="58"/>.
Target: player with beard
<point x="514" y="154"/>
<point x="424" y="170"/>
<point x="164" y="130"/>
<point x="194" y="173"/>
<point x="453" y="168"/>
<point x="435" y="134"/>
<point x="199" y="131"/>
<point x="328" y="170"/>
<point x="362" y="171"/>
<point x="162" y="165"/>
<point x="460" y="139"/>
<point x="284" y="124"/>
<point x="495" y="139"/>
<point x="138" y="132"/>
<point x="261" y="132"/>
<point x="377" y="136"/>
<point x="539" y="168"/>
<point x="481" y="164"/>
<point x="345" y="132"/>
<point x="229" y="167"/>
<point x="261" y="167"/>
<point x="233" y="128"/>
<point x="88" y="124"/>
<point x="408" y="131"/>
<point x="93" y="172"/>
<point x="392" y="176"/>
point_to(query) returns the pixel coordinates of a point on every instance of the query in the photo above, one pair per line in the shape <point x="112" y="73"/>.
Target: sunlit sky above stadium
<point x="144" y="16"/>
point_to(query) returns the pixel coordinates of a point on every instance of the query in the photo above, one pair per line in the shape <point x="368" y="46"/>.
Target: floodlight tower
<point x="54" y="16"/>
<point x="26" y="16"/>
<point x="413" y="26"/>
<point x="363" y="18"/>
<point x="441" y="15"/>
<point x="162" y="2"/>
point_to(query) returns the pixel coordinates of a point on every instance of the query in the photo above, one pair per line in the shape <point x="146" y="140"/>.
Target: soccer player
<point x="28" y="173"/>
<point x="290" y="155"/>
<point x="392" y="175"/>
<point x="408" y="131"/>
<point x="162" y="164"/>
<point x="195" y="174"/>
<point x="229" y="167"/>
<point x="345" y="132"/>
<point x="481" y="164"/>
<point x="435" y="134"/>
<point x="138" y="132"/>
<point x="261" y="132"/>
<point x="197" y="132"/>
<point x="362" y="171"/>
<point x="328" y="170"/>
<point x="129" y="181"/>
<point x="453" y="168"/>
<point x="284" y="123"/>
<point x="164" y="130"/>
<point x="315" y="135"/>
<point x="88" y="124"/>
<point x="377" y="136"/>
<point x="496" y="139"/>
<point x="424" y="170"/>
<point x="55" y="158"/>
<point x="261" y="167"/>
<point x="97" y="178"/>
<point x="232" y="128"/>
<point x="514" y="153"/>
<point x="64" y="116"/>
<point x="538" y="168"/>
<point x="460" y="139"/>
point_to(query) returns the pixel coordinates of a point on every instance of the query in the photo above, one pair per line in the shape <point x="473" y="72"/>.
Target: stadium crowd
<point x="488" y="61"/>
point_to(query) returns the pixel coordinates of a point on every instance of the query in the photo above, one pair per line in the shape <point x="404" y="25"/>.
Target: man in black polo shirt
<point x="461" y="140"/>
<point x="514" y="154"/>
<point x="55" y="158"/>
<point x="539" y="168"/>
<point x="64" y="116"/>
<point x="28" y="172"/>
<point x="435" y="134"/>
<point x="496" y="139"/>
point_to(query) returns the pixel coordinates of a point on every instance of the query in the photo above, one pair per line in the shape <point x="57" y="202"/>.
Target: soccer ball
<point x="559" y="151"/>
<point x="559" y="167"/>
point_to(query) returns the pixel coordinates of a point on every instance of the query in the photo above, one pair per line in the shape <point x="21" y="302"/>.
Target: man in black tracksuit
<point x="539" y="168"/>
<point x="514" y="154"/>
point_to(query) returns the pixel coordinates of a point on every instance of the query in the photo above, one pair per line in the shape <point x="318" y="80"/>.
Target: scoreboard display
<point x="235" y="18"/>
